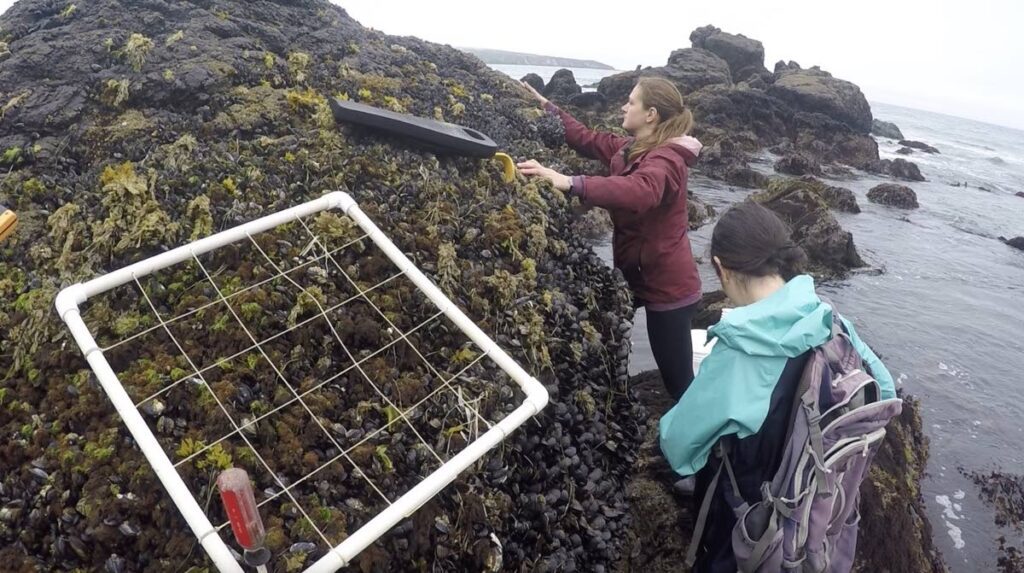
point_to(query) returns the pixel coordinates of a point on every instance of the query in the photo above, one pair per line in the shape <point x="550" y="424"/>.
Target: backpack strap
<point x="722" y="449"/>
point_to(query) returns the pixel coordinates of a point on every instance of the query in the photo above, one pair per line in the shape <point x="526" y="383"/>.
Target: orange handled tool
<point x="7" y="222"/>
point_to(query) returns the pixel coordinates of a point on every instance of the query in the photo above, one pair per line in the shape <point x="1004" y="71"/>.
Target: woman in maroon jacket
<point x="646" y="197"/>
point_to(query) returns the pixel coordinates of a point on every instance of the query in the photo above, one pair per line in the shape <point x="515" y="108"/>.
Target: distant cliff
<point x="503" y="57"/>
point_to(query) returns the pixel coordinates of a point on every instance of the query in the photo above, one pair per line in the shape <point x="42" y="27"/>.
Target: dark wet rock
<point x="829" y="140"/>
<point x="893" y="195"/>
<point x="692" y="68"/>
<point x="918" y="145"/>
<point x="782" y="67"/>
<point x="740" y="114"/>
<point x="885" y="129"/>
<point x="699" y="212"/>
<point x="225" y="122"/>
<point x="588" y="100"/>
<point x="838" y="198"/>
<point x="816" y="91"/>
<point x="797" y="164"/>
<point x="905" y="151"/>
<point x="1015" y="242"/>
<point x="895" y="534"/>
<point x="830" y="249"/>
<point x="534" y="80"/>
<point x="724" y="160"/>
<point x="899" y="168"/>
<point x="562" y="86"/>
<point x="1019" y="194"/>
<point x="745" y="56"/>
<point x="689" y="69"/>
<point x="1005" y="493"/>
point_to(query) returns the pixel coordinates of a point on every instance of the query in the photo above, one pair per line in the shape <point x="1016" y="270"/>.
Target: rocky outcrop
<point x="797" y="164"/>
<point x="745" y="56"/>
<point x="1015" y="242"/>
<point x="562" y="86"/>
<point x="535" y="81"/>
<point x="732" y="96"/>
<point x="918" y="145"/>
<point x="722" y="160"/>
<point x="141" y="126"/>
<point x="885" y="129"/>
<point x="830" y="249"/>
<point x="588" y="100"/>
<point x="689" y="69"/>
<point x="898" y="168"/>
<point x="893" y="195"/>
<point x="816" y="91"/>
<point x="838" y="198"/>
<point x="895" y="534"/>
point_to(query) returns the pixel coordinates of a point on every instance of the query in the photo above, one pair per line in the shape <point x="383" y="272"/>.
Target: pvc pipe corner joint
<point x="69" y="298"/>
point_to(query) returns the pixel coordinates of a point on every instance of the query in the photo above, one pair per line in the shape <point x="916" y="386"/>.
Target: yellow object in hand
<point x="7" y="222"/>
<point x="508" y="166"/>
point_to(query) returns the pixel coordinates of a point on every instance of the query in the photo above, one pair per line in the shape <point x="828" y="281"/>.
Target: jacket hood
<point x="690" y="148"/>
<point x="786" y="324"/>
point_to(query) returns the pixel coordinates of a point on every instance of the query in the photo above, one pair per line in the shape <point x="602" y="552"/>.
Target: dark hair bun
<point x="753" y="241"/>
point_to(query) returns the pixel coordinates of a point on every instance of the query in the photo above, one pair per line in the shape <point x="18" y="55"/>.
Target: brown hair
<point x="675" y="118"/>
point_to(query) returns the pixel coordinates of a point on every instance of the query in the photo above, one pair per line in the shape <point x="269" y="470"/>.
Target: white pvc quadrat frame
<point x="70" y="298"/>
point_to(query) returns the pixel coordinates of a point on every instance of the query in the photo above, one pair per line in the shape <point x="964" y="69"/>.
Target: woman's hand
<point x="532" y="168"/>
<point x="543" y="100"/>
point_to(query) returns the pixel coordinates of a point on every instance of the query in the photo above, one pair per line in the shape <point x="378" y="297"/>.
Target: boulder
<point x="562" y="86"/>
<point x="817" y="91"/>
<point x="588" y="100"/>
<point x="918" y="145"/>
<point x="725" y="161"/>
<point x="885" y="129"/>
<point x="830" y="249"/>
<point x="693" y="68"/>
<point x="1016" y="242"/>
<point x="893" y="195"/>
<point x="689" y="69"/>
<point x="838" y="198"/>
<point x="797" y="164"/>
<point x="745" y="56"/>
<point x="535" y="81"/>
<point x="905" y="151"/>
<point x="698" y="211"/>
<point x="734" y="111"/>
<point x="898" y="168"/>
<point x="1019" y="193"/>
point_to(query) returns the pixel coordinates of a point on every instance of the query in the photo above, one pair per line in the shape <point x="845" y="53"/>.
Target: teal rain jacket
<point x="733" y="388"/>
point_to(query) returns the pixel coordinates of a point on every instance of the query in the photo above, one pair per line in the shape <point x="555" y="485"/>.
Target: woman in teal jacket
<point x="746" y="384"/>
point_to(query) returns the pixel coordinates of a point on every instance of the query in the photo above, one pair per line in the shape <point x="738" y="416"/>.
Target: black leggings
<point x="669" y="334"/>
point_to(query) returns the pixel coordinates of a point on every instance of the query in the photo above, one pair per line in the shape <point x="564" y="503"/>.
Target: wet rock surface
<point x="893" y="195"/>
<point x="885" y="129"/>
<point x="153" y="124"/>
<point x="802" y="205"/>
<point x="1004" y="492"/>
<point x="918" y="145"/>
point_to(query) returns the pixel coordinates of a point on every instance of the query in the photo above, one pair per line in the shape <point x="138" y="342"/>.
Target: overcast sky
<point x="955" y="57"/>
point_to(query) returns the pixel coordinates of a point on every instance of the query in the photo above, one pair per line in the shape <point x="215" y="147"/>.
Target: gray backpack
<point x="807" y="517"/>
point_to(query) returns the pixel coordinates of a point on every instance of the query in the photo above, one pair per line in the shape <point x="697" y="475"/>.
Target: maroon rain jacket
<point x="647" y="201"/>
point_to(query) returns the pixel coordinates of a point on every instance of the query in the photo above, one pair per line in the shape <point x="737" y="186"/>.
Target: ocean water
<point x="943" y="305"/>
